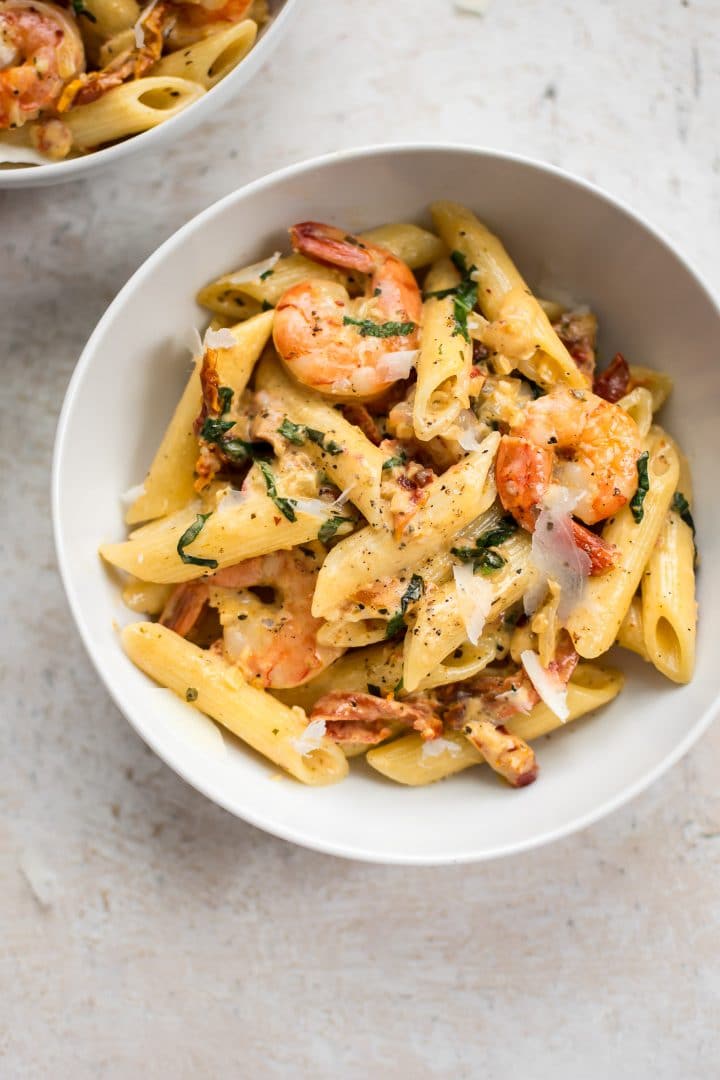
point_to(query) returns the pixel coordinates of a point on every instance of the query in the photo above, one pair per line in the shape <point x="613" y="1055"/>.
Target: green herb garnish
<point x="328" y="528"/>
<point x="79" y="8"/>
<point x="394" y="461"/>
<point x="464" y="294"/>
<point x="682" y="508"/>
<point x="267" y="306"/>
<point x="636" y="503"/>
<point x="298" y="433"/>
<point x="484" y="560"/>
<point x="214" y="429"/>
<point x="285" y="506"/>
<point x="265" y="274"/>
<point x="191" y="694"/>
<point x="238" y="450"/>
<point x="225" y="394"/>
<point x="368" y="328"/>
<point x="398" y="687"/>
<point x="413" y="593"/>
<point x="190" y="534"/>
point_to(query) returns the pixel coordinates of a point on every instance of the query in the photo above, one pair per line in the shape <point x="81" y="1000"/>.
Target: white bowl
<point x="563" y="233"/>
<point x="167" y="132"/>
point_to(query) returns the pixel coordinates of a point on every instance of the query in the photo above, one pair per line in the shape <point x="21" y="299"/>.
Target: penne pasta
<point x="130" y="109"/>
<point x="219" y="690"/>
<point x="210" y="59"/>
<point x="669" y="613"/>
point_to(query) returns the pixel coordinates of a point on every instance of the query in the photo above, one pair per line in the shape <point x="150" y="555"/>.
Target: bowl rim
<point x="58" y="172"/>
<point x="288" y="832"/>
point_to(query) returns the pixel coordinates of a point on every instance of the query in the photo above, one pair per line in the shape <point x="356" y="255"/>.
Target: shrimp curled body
<point x="575" y="439"/>
<point x="326" y="339"/>
<point x="40" y="51"/>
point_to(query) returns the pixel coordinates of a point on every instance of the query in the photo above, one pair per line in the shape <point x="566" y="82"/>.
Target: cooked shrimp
<point x="576" y="438"/>
<point x="340" y="346"/>
<point x="194" y="19"/>
<point x="365" y="718"/>
<point x="40" y="51"/>
<point x="275" y="644"/>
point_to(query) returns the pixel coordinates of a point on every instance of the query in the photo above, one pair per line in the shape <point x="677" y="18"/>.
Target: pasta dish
<point x="81" y="74"/>
<point x="399" y="512"/>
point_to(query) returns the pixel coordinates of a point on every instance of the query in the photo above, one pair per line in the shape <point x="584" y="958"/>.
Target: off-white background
<point x="146" y="932"/>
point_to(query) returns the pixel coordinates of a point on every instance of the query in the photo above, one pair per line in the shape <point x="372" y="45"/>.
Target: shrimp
<point x="365" y="718"/>
<point x="340" y="346"/>
<point x="577" y="438"/>
<point x="275" y="644"/>
<point x="40" y="51"/>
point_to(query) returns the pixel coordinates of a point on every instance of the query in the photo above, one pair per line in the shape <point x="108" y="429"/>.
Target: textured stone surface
<point x="145" y="930"/>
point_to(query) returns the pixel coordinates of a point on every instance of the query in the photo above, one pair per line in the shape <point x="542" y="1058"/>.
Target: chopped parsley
<point x="79" y="8"/>
<point x="285" y="506"/>
<point x="238" y="450"/>
<point x="682" y="508"/>
<point x="298" y="433"/>
<point x="328" y="528"/>
<point x="398" y="687"/>
<point x="265" y="274"/>
<point x="464" y="294"/>
<point x="481" y="555"/>
<point x="225" y="394"/>
<point x="368" y="328"/>
<point x="394" y="461"/>
<point x="413" y="593"/>
<point x="636" y="503"/>
<point x="266" y="306"/>
<point x="191" y="694"/>
<point x="190" y="534"/>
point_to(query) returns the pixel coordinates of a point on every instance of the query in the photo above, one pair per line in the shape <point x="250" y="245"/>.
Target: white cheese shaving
<point x="231" y="500"/>
<point x="469" y="431"/>
<point x="555" y="555"/>
<point x="252" y="273"/>
<point x="21" y="155"/>
<point x="219" y="339"/>
<point x="343" y="497"/>
<point x="132" y="495"/>
<point x="433" y="748"/>
<point x="138" y="29"/>
<point x="474" y="599"/>
<point x="552" y="691"/>
<point x="315" y="507"/>
<point x="311" y="738"/>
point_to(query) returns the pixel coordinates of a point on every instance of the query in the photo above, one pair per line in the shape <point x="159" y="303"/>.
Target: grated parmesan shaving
<point x="231" y="500"/>
<point x="548" y="686"/>
<point x="555" y="555"/>
<point x="251" y="274"/>
<point x="132" y="494"/>
<point x="397" y="365"/>
<point x="315" y="507"/>
<point x="470" y="430"/>
<point x="433" y="748"/>
<point x="474" y="600"/>
<point x="218" y="339"/>
<point x="311" y="738"/>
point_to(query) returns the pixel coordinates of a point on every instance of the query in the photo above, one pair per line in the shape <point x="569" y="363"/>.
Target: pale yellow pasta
<point x="595" y="622"/>
<point x="129" y="109"/>
<point x="370" y="555"/>
<point x="415" y="246"/>
<point x="630" y="635"/>
<point x="219" y="690"/>
<point x="358" y="467"/>
<point x="439" y="628"/>
<point x="669" y="612"/>
<point x="109" y="18"/>
<point x="254" y="527"/>
<point x="521" y="326"/>
<point x="352" y="635"/>
<point x="639" y="404"/>
<point x="404" y="761"/>
<point x="659" y="384"/>
<point x="169" y="485"/>
<point x="145" y="597"/>
<point x="445" y="358"/>
<point x="209" y="60"/>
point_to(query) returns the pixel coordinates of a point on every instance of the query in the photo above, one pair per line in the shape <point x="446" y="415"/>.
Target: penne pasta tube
<point x="595" y="622"/>
<point x="630" y="635"/>
<point x="219" y="690"/>
<point x="656" y="382"/>
<point x="407" y="760"/>
<point x="639" y="404"/>
<point x="129" y="109"/>
<point x="669" y="611"/>
<point x="445" y="358"/>
<point x="522" y="330"/>
<point x="210" y="59"/>
<point x="454" y="500"/>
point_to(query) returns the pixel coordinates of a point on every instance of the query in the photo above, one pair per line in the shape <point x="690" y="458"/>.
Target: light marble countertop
<point x="146" y="931"/>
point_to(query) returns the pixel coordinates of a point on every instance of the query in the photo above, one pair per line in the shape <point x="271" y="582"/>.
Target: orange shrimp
<point x="40" y="52"/>
<point x="340" y="346"/>
<point x="575" y="438"/>
<point x="275" y="643"/>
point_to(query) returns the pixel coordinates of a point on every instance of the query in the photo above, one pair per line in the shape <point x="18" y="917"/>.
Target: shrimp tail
<point x="332" y="246"/>
<point x="185" y="607"/>
<point x="600" y="553"/>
